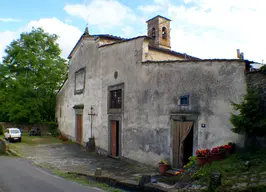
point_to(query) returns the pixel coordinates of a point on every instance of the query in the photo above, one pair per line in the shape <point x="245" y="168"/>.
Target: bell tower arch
<point x="159" y="31"/>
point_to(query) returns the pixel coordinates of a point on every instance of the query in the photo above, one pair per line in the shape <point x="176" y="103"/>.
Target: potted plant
<point x="163" y="166"/>
<point x="209" y="156"/>
<point x="201" y="155"/>
<point x="228" y="150"/>
<point x="217" y="153"/>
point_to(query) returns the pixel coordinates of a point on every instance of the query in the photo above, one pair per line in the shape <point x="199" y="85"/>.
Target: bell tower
<point x="159" y="32"/>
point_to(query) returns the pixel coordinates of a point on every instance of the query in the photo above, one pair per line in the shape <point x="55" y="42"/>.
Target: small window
<point x="184" y="100"/>
<point x="153" y="33"/>
<point x="164" y="33"/>
<point x="116" y="99"/>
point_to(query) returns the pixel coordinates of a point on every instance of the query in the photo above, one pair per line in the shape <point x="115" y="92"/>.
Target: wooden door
<point x="180" y="132"/>
<point x="176" y="144"/>
<point x="79" y="128"/>
<point x="114" y="138"/>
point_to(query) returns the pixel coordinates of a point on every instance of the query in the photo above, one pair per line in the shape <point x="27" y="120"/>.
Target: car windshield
<point x="14" y="131"/>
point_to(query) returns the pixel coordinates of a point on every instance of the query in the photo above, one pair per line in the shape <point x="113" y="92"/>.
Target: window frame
<point x="114" y="100"/>
<point x="115" y="88"/>
<point x="80" y="91"/>
<point x="184" y="97"/>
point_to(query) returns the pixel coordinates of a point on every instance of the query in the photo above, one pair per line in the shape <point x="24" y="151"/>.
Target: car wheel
<point x="19" y="140"/>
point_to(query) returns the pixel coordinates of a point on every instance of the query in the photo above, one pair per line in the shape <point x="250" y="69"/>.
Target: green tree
<point x="31" y="73"/>
<point x="250" y="118"/>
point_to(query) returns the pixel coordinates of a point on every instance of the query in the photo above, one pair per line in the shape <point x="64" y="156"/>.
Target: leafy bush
<point x="192" y="161"/>
<point x="62" y="137"/>
<point x="251" y="118"/>
<point x="53" y="129"/>
<point x="1" y="129"/>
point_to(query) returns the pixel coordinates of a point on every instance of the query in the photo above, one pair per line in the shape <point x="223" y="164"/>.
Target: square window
<point x="116" y="99"/>
<point x="184" y="100"/>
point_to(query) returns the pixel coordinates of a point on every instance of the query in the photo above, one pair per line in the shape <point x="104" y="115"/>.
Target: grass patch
<point x="15" y="148"/>
<point x="78" y="179"/>
<point x="36" y="140"/>
<point x="238" y="167"/>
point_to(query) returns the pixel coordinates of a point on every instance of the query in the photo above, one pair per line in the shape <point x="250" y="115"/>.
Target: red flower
<point x="202" y="152"/>
<point x="227" y="146"/>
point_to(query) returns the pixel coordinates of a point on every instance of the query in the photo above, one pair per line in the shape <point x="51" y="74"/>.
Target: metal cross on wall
<point x="91" y="114"/>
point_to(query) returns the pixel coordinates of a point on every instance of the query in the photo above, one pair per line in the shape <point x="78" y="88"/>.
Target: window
<point x="14" y="131"/>
<point x="184" y="100"/>
<point x="80" y="81"/>
<point x="164" y="33"/>
<point x="153" y="35"/>
<point x="116" y="99"/>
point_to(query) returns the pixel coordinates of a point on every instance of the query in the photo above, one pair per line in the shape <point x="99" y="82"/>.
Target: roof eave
<point x="158" y="16"/>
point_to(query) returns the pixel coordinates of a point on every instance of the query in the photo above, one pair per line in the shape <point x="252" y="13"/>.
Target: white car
<point x="13" y="134"/>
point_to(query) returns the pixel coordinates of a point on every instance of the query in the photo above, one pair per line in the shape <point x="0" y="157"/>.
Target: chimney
<point x="239" y="54"/>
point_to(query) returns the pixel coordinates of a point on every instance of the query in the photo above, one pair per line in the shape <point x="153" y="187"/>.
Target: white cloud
<point x="68" y="34"/>
<point x="149" y="8"/>
<point x="213" y="28"/>
<point x="9" y="20"/>
<point x="158" y="6"/>
<point x="128" y="31"/>
<point x="202" y="28"/>
<point x="5" y="38"/>
<point x="68" y="21"/>
<point x="103" y="13"/>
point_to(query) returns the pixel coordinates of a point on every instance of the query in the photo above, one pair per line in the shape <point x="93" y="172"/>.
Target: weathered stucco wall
<point x="154" y="55"/>
<point x="151" y="93"/>
<point x="120" y="58"/>
<point x="101" y="64"/>
<point x="86" y="56"/>
<point x="211" y="86"/>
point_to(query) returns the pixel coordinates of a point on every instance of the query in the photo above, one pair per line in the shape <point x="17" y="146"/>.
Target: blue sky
<point x="202" y="28"/>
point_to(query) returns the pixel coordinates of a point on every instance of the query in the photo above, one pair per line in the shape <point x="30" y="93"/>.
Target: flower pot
<point x="163" y="167"/>
<point x="218" y="156"/>
<point x="202" y="161"/>
<point x="228" y="152"/>
<point x="209" y="158"/>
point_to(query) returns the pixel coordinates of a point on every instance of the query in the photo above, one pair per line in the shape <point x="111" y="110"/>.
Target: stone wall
<point x="24" y="127"/>
<point x="153" y="98"/>
<point x="3" y="146"/>
<point x="256" y="79"/>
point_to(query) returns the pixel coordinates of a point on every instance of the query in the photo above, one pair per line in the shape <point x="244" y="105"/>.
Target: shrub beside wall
<point x="1" y="129"/>
<point x="3" y="146"/>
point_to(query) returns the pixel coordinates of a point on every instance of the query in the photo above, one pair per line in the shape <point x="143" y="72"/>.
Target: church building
<point x="144" y="101"/>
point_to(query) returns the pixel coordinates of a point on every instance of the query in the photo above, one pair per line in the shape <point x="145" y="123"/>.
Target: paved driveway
<point x="74" y="158"/>
<point x="18" y="175"/>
